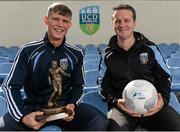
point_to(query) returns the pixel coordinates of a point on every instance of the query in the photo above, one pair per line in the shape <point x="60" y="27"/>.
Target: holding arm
<point x="107" y="88"/>
<point x="12" y="86"/>
<point x="13" y="83"/>
<point x="112" y="98"/>
<point x="77" y="88"/>
<point x="162" y="82"/>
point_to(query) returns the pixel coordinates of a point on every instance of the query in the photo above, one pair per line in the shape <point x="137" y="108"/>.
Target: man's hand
<point x="70" y="108"/>
<point x="158" y="106"/>
<point x="154" y="110"/>
<point x="121" y="105"/>
<point x="29" y="120"/>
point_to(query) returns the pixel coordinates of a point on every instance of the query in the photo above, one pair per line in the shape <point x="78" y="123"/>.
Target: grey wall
<point x="22" y="21"/>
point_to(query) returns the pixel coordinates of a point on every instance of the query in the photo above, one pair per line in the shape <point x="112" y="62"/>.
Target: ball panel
<point x="150" y="103"/>
<point x="140" y="95"/>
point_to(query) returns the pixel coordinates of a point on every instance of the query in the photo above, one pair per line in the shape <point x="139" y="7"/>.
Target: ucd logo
<point x="89" y="19"/>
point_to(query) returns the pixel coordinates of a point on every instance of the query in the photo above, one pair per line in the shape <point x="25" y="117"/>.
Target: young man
<point x="30" y="71"/>
<point x="122" y="63"/>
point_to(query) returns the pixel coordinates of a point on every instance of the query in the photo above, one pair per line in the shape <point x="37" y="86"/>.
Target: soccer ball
<point x="140" y="96"/>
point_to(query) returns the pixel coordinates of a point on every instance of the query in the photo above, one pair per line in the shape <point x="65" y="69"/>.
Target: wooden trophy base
<point x="51" y="114"/>
<point x="57" y="116"/>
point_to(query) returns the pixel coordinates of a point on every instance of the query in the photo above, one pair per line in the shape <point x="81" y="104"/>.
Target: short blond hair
<point x="60" y="8"/>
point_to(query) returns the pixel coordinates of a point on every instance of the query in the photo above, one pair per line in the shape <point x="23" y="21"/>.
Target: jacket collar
<point x="46" y="40"/>
<point x="140" y="39"/>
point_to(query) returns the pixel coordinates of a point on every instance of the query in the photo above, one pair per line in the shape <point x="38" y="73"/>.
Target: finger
<point x="123" y="107"/>
<point x="150" y="113"/>
<point x="71" y="112"/>
<point x="37" y="125"/>
<point x="70" y="118"/>
<point x="137" y="115"/>
<point x="41" y="118"/>
<point x="159" y="95"/>
<point x="130" y="112"/>
<point x="122" y="101"/>
<point x="38" y="113"/>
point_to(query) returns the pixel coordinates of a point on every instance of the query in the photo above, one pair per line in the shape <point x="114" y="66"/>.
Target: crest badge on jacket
<point x="143" y="58"/>
<point x="64" y="63"/>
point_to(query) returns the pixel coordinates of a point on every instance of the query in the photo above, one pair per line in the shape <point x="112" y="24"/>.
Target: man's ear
<point x="70" y="24"/>
<point x="45" y="20"/>
<point x="135" y="23"/>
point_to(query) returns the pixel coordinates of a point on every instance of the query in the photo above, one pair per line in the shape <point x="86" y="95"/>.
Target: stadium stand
<point x="175" y="74"/>
<point x="173" y="62"/>
<point x="170" y="52"/>
<point x="100" y="47"/>
<point x="93" y="98"/>
<point x="4" y="70"/>
<point x="80" y="46"/>
<point x="91" y="80"/>
<point x="4" y="59"/>
<point x="175" y="55"/>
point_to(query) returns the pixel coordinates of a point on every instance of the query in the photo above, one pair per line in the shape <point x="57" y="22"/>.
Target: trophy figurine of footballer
<point x="53" y="110"/>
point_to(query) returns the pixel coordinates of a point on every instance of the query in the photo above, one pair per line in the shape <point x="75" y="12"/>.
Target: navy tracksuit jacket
<point x="30" y="72"/>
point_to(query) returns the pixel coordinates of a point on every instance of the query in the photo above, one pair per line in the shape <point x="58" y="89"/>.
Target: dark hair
<point x="59" y="8"/>
<point x="127" y="7"/>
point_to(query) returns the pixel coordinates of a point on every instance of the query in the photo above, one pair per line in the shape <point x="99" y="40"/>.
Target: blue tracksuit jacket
<point x="30" y="72"/>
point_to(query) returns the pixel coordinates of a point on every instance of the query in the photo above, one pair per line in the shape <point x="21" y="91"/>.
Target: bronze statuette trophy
<point x="53" y="110"/>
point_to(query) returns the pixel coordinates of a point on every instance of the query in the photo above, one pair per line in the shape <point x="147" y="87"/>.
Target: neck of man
<point x="56" y="43"/>
<point x="126" y="44"/>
